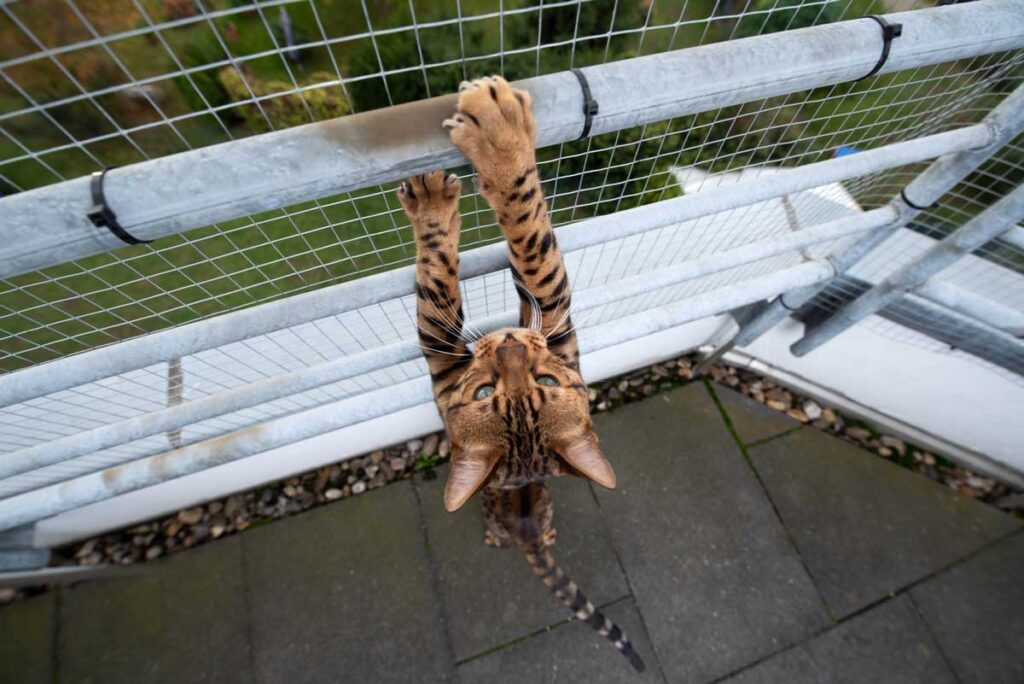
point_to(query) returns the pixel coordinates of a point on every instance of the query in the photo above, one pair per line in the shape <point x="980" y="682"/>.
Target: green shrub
<point x="288" y="108"/>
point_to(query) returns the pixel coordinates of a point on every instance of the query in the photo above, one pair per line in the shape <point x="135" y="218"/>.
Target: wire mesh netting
<point x="88" y="85"/>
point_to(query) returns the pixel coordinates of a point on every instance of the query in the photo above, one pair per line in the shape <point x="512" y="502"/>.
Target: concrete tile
<point x="345" y="593"/>
<point x="866" y="527"/>
<point x="491" y="596"/>
<point x="976" y="612"/>
<point x="571" y="652"/>
<point x="27" y="630"/>
<point x="889" y="643"/>
<point x="717" y="581"/>
<point x="752" y="420"/>
<point x="182" y="620"/>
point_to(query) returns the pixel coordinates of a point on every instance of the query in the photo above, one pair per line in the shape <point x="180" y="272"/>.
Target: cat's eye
<point x="547" y="381"/>
<point x="483" y="392"/>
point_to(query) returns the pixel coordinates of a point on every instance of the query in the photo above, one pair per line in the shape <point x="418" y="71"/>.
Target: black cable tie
<point x="589" y="103"/>
<point x="903" y="196"/>
<point x="889" y="31"/>
<point x="102" y="216"/>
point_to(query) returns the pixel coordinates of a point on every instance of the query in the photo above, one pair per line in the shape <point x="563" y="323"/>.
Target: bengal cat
<point x="515" y="407"/>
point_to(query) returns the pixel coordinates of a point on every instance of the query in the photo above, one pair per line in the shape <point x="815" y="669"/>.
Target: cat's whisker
<point x="535" y="312"/>
<point x="451" y="319"/>
<point x="561" y="299"/>
<point x="423" y="347"/>
<point x="444" y="341"/>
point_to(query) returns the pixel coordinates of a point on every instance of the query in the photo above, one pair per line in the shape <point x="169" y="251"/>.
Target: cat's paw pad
<point x="492" y="121"/>
<point x="431" y="195"/>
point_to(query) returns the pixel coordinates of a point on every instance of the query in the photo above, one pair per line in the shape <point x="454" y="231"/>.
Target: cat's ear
<point x="586" y="456"/>
<point x="469" y="470"/>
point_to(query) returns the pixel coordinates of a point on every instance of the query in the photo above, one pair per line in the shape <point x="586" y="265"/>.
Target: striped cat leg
<point x="494" y="128"/>
<point x="431" y="201"/>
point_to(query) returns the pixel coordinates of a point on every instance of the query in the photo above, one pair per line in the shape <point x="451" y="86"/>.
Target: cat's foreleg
<point x="431" y="201"/>
<point x="494" y="128"/>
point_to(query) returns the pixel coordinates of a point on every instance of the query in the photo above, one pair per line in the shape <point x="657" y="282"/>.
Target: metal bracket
<point x="590" y="106"/>
<point x="889" y="31"/>
<point x="102" y="216"/>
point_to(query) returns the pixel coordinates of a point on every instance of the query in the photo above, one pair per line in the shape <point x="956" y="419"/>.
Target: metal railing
<point x="805" y="213"/>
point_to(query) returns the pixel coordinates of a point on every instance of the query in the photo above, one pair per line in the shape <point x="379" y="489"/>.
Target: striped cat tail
<point x="569" y="593"/>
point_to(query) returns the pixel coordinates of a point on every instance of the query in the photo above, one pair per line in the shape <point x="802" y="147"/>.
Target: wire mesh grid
<point x="117" y="82"/>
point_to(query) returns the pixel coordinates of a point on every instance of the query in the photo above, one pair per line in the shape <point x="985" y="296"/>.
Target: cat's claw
<point x="549" y="537"/>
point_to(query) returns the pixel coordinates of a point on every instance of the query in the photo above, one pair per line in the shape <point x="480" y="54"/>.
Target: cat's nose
<point x="511" y="355"/>
<point x="510" y="339"/>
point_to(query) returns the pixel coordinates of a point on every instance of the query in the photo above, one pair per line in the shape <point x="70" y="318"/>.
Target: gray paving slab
<point x="752" y="420"/>
<point x="27" y="630"/>
<point x="976" y="612"/>
<point x="889" y="644"/>
<point x="491" y="596"/>
<point x="712" y="571"/>
<point x="345" y="593"/>
<point x="571" y="652"/>
<point x="866" y="527"/>
<point x="182" y="620"/>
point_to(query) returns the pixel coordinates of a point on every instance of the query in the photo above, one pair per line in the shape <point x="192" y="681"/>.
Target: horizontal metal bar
<point x="969" y="303"/>
<point x="1005" y="121"/>
<point x="87" y="489"/>
<point x="239" y="325"/>
<point x="311" y="377"/>
<point x="68" y="573"/>
<point x="986" y="226"/>
<point x="200" y="187"/>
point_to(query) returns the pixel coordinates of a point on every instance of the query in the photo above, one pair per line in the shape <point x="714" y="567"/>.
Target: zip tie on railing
<point x="589" y="103"/>
<point x="903" y="196"/>
<point x="102" y="216"/>
<point x="889" y="31"/>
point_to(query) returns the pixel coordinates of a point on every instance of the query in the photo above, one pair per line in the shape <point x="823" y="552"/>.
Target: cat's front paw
<point x="431" y="200"/>
<point x="493" y="126"/>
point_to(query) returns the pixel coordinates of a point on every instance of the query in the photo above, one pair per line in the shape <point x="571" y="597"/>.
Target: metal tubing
<point x="970" y="304"/>
<point x="1004" y="122"/>
<point x="201" y="187"/>
<point x="87" y="489"/>
<point x="238" y="325"/>
<point x="304" y="379"/>
<point x="986" y="226"/>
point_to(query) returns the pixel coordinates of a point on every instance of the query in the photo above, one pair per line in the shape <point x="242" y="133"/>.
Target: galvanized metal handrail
<point x="176" y="193"/>
<point x="246" y="323"/>
<point x="81" y="491"/>
<point x="286" y="384"/>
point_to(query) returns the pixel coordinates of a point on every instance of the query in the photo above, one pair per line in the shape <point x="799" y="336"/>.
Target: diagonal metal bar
<point x="989" y="224"/>
<point x="1004" y="122"/>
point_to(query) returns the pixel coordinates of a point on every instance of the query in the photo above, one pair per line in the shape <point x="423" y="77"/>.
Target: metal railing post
<point x="1004" y="122"/>
<point x="988" y="225"/>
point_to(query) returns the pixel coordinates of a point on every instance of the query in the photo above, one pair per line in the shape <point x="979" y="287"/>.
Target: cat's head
<point x="519" y="414"/>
